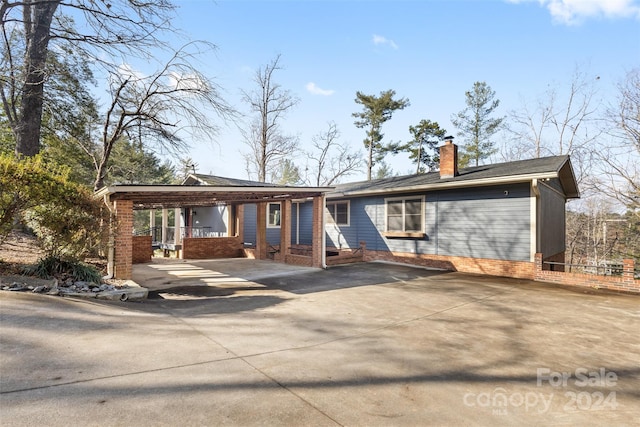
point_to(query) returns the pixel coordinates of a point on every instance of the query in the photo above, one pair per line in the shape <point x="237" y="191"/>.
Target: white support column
<point x="165" y="224"/>
<point x="177" y="223"/>
<point x="152" y="220"/>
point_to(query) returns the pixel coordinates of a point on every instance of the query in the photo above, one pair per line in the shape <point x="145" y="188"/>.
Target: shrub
<point x="63" y="215"/>
<point x="52" y="266"/>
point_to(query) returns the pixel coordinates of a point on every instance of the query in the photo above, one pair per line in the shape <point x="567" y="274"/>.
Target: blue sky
<point x="429" y="51"/>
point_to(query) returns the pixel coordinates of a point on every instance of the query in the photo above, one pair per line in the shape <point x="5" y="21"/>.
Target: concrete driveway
<point x="239" y="343"/>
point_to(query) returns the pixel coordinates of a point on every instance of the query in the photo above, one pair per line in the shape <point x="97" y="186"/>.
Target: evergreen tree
<point x="287" y="173"/>
<point x="375" y="111"/>
<point x="476" y="125"/>
<point x="423" y="148"/>
<point x="131" y="163"/>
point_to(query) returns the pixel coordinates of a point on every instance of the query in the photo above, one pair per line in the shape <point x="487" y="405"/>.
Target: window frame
<point x="269" y="224"/>
<point x="403" y="233"/>
<point x="330" y="219"/>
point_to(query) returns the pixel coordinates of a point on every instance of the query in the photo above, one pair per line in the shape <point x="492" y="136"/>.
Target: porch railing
<point x="605" y="269"/>
<point x="170" y="233"/>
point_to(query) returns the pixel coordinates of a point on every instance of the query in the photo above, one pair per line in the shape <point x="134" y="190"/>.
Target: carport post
<point x="261" y="230"/>
<point x="239" y="222"/>
<point x="177" y="226"/>
<point x="318" y="242"/>
<point x="165" y="224"/>
<point x="152" y="220"/>
<point x="124" y="239"/>
<point x="285" y="229"/>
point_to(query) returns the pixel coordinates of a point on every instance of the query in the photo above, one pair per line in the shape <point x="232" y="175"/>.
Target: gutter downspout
<point x="534" y="185"/>
<point x="534" y="218"/>
<point x="297" y="223"/>
<point x="111" y="242"/>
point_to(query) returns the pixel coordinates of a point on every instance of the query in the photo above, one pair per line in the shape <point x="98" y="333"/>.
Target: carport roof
<point x="173" y="196"/>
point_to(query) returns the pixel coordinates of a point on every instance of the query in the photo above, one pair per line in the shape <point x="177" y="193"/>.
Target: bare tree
<point x="331" y="160"/>
<point x="571" y="121"/>
<point x="559" y="124"/>
<point x="562" y="122"/>
<point x="529" y="124"/>
<point x="157" y="108"/>
<point x="270" y="103"/>
<point x="30" y="28"/>
<point x="621" y="157"/>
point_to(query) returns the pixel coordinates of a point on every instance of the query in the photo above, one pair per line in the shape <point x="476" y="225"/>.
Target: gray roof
<point x="221" y="181"/>
<point x="517" y="171"/>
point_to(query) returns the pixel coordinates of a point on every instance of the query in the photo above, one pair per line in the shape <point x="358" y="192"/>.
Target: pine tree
<point x="476" y="125"/>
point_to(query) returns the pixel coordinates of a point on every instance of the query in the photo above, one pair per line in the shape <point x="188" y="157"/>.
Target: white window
<point x="405" y="215"/>
<point x="273" y="215"/>
<point x="337" y="213"/>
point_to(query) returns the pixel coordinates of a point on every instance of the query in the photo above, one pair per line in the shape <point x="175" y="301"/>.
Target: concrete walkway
<point x="366" y="344"/>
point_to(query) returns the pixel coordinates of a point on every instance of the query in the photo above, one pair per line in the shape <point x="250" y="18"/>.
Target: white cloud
<point x="185" y="82"/>
<point x="128" y="72"/>
<point x="380" y="40"/>
<point x="572" y="12"/>
<point x="312" y="88"/>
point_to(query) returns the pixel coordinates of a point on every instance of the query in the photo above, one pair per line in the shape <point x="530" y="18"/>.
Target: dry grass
<point x="21" y="249"/>
<point x="18" y="250"/>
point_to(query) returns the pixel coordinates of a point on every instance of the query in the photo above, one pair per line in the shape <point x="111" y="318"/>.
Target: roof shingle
<point x="532" y="167"/>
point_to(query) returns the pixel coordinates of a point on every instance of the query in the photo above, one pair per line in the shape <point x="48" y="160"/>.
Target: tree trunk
<point x="370" y="161"/>
<point x="37" y="22"/>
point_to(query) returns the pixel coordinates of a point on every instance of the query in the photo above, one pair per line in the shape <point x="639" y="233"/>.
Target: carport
<point x="122" y="200"/>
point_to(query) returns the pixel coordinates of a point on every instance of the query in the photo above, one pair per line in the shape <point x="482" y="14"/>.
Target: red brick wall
<point x="491" y="267"/>
<point x="142" y="251"/>
<point x="448" y="160"/>
<point x="124" y="239"/>
<point x="317" y="231"/>
<point x="212" y="247"/>
<point x="625" y="283"/>
<point x="301" y="260"/>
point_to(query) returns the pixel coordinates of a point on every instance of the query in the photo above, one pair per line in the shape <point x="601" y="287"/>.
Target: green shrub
<point x="51" y="266"/>
<point x="63" y="215"/>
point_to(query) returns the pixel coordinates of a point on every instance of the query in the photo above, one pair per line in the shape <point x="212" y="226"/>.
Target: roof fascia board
<point x="195" y="178"/>
<point x="447" y="185"/>
<point x="106" y="191"/>
<point x="569" y="165"/>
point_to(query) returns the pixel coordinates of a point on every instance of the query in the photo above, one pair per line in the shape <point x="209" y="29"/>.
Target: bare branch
<point x="269" y="102"/>
<point x="162" y="106"/>
<point x="331" y="160"/>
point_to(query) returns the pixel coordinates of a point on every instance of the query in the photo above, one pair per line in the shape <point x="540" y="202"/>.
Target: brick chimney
<point x="448" y="158"/>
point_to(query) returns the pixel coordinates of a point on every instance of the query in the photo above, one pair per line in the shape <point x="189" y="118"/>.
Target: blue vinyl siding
<point x="478" y="222"/>
<point x="485" y="223"/>
<point x="273" y="236"/>
<point x="250" y="222"/>
<point x="306" y="222"/>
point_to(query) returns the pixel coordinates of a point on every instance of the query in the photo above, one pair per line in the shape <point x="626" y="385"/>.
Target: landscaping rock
<point x="115" y="290"/>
